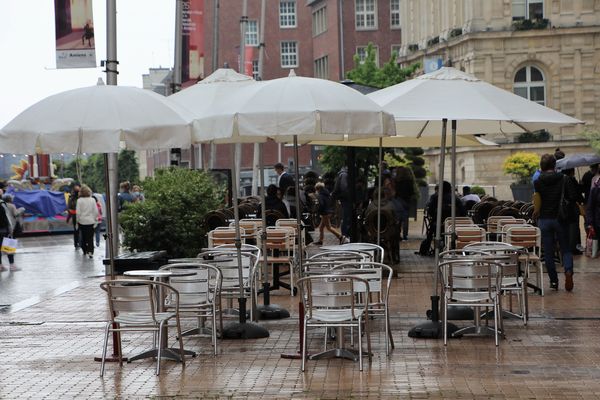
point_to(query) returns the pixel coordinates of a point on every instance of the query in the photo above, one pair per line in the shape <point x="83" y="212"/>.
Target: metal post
<point x="177" y="64"/>
<point x="453" y="183"/>
<point x="379" y="192"/>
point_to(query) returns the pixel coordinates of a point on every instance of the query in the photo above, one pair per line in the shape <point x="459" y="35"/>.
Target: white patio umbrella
<point x="291" y="109"/>
<point x="424" y="105"/>
<point x="97" y="119"/>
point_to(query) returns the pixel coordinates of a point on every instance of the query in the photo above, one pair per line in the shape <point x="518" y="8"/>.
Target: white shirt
<point x="470" y="197"/>
<point x="87" y="211"/>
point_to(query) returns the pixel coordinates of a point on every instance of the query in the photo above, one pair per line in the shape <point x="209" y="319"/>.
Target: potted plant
<point x="522" y="166"/>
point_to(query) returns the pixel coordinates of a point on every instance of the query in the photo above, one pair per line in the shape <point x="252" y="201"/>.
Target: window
<point x="527" y="9"/>
<point x="365" y="14"/>
<point x="255" y="74"/>
<point x="395" y="13"/>
<point x="361" y="51"/>
<point x="396" y="49"/>
<point x="529" y="83"/>
<point x="289" y="54"/>
<point x="287" y="14"/>
<point x="252" y="33"/>
<point x="322" y="68"/>
<point x="319" y="20"/>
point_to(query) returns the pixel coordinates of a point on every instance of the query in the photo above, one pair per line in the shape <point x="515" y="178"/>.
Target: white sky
<point x="145" y="30"/>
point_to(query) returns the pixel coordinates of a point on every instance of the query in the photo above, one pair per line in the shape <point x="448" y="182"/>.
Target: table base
<point x="168" y="353"/>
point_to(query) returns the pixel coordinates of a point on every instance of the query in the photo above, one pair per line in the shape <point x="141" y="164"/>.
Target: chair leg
<point x="214" y="329"/>
<point x="160" y="329"/>
<point x="303" y="350"/>
<point x="106" y="332"/>
<point x="368" y="334"/>
<point x="360" y="359"/>
<point x="389" y="328"/>
<point x="496" y="318"/>
<point x="120" y="349"/>
<point x="180" y="340"/>
<point x="445" y="320"/>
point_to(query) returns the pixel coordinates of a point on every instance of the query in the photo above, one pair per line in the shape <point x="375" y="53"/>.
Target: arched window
<point x="529" y="83"/>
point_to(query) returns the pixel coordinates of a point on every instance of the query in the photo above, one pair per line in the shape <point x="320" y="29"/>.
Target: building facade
<point x="545" y="50"/>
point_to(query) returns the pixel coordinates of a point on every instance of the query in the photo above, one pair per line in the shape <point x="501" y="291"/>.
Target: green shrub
<point x="171" y="217"/>
<point x="521" y="165"/>
<point x="478" y="190"/>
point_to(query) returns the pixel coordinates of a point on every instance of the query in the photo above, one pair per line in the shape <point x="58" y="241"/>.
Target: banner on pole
<point x="74" y="26"/>
<point x="192" y="63"/>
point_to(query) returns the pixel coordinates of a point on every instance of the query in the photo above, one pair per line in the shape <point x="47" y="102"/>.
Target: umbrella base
<point x="271" y="311"/>
<point x="431" y="330"/>
<point x="245" y="330"/>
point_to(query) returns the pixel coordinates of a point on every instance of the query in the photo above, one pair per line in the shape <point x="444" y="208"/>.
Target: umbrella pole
<point x="267" y="310"/>
<point x="379" y="192"/>
<point x="433" y="328"/>
<point x="453" y="183"/>
<point x="298" y="355"/>
<point x="241" y="329"/>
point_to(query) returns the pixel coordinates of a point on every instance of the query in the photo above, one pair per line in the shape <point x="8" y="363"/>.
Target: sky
<point x="145" y="34"/>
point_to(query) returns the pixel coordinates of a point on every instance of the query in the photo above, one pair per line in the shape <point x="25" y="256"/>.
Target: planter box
<point x="522" y="192"/>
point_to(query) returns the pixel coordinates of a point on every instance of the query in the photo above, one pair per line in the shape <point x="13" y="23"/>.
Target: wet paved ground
<point x="53" y="331"/>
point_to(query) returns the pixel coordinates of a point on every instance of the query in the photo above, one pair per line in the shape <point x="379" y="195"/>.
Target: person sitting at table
<point x="273" y="202"/>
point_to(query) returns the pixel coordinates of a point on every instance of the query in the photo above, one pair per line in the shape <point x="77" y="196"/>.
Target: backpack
<point x="4" y="221"/>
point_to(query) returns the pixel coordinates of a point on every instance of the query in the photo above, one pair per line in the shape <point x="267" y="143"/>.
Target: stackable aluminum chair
<point x="199" y="296"/>
<point x="472" y="282"/>
<point x="330" y="301"/>
<point x="224" y="235"/>
<point x="134" y="306"/>
<point x="281" y="249"/>
<point x="379" y="291"/>
<point x="530" y="238"/>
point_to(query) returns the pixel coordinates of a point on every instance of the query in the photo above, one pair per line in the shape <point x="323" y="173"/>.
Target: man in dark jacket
<point x="549" y="188"/>
<point x="72" y="214"/>
<point x="284" y="180"/>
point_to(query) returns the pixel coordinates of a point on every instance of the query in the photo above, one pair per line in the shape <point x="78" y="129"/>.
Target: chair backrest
<point x="492" y="222"/>
<point x="376" y="252"/>
<point x="503" y="223"/>
<point x="224" y="235"/>
<point x="247" y="248"/>
<point x="280" y="238"/>
<point x="201" y="286"/>
<point x="372" y="272"/>
<point x="251" y="228"/>
<point x="457" y="221"/>
<point x="528" y="237"/>
<point x="476" y="277"/>
<point x="331" y="293"/>
<point x="468" y="234"/>
<point x="340" y="256"/>
<point x="136" y="295"/>
<point x="227" y="263"/>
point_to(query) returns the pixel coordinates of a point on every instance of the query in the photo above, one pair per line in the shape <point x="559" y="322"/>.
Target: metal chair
<point x="224" y="235"/>
<point x="330" y="301"/>
<point x="281" y="249"/>
<point x="199" y="296"/>
<point x="136" y="305"/>
<point x="530" y="238"/>
<point x="472" y="282"/>
<point x="468" y="234"/>
<point x="379" y="291"/>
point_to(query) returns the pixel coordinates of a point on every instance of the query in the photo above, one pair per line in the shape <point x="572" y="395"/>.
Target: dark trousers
<point x="76" y="233"/>
<point x="551" y="231"/>
<point x="87" y="238"/>
<point x="11" y="257"/>
<point x="346" y="217"/>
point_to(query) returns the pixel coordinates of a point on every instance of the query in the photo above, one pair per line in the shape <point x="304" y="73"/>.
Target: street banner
<point x="248" y="58"/>
<point x="192" y="64"/>
<point x="74" y="26"/>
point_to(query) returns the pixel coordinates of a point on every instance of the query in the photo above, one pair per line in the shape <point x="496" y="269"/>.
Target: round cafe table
<point x="168" y="353"/>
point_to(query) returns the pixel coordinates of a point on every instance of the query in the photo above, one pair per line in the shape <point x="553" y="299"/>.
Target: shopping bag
<point x="589" y="243"/>
<point x="594" y="248"/>
<point x="9" y="245"/>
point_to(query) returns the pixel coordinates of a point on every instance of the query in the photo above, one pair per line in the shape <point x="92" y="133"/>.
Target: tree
<point x="171" y="216"/>
<point x="594" y="138"/>
<point x="367" y="73"/>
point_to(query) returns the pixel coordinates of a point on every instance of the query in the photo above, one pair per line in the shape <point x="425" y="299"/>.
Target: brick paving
<point x="48" y="350"/>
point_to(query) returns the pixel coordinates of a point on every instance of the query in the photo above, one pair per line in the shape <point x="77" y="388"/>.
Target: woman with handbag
<point x="87" y="219"/>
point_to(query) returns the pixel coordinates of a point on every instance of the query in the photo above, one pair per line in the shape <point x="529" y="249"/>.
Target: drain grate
<point x="519" y="372"/>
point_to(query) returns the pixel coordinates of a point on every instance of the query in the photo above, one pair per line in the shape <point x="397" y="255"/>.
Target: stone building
<point x="544" y="50"/>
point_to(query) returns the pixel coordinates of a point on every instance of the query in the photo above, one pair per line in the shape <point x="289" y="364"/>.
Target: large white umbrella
<point x="420" y="104"/>
<point x="287" y="110"/>
<point x="424" y="105"/>
<point x="96" y="119"/>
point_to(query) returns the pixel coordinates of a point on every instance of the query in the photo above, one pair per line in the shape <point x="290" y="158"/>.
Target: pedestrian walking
<point x="550" y="188"/>
<point x="87" y="219"/>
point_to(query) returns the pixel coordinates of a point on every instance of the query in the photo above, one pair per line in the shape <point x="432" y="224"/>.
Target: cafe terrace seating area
<point x="547" y="345"/>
